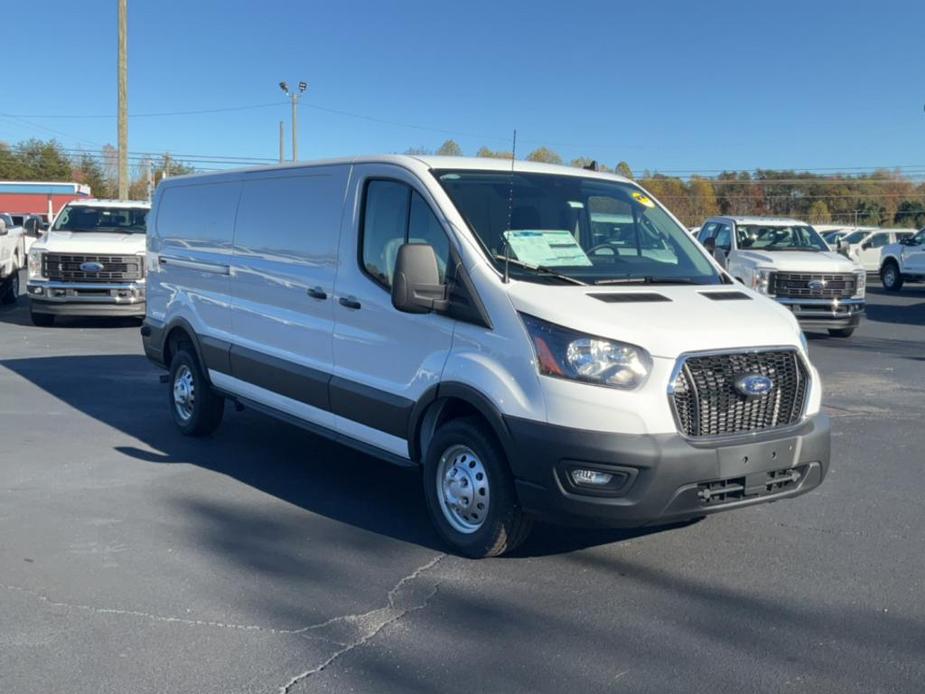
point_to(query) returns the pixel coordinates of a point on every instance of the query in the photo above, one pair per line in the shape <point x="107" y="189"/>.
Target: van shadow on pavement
<point x="322" y="477"/>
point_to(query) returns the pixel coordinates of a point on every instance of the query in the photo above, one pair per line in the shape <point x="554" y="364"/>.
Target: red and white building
<point x="39" y="197"/>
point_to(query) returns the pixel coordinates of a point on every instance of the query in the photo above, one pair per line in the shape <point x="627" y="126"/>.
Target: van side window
<point x="394" y="214"/>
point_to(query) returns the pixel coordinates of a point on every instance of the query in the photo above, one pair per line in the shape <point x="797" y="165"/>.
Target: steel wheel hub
<point x="462" y="487"/>
<point x="184" y="392"/>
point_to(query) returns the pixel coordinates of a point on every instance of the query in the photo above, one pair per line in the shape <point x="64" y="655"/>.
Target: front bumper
<point x="825" y="313"/>
<point x="661" y="478"/>
<point x="87" y="298"/>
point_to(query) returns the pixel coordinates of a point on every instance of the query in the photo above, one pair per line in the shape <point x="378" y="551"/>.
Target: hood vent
<point x="726" y="296"/>
<point x="629" y="297"/>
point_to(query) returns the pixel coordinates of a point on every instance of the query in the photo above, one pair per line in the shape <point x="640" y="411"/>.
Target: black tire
<point x="503" y="525"/>
<point x="42" y="320"/>
<point x="9" y="291"/>
<point x="841" y="332"/>
<point x="891" y="277"/>
<point x="203" y="407"/>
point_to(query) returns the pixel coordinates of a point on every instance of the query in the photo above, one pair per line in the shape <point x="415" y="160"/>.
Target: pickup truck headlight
<point x="35" y="264"/>
<point x="761" y="280"/>
<point x="564" y="353"/>
<point x="861" y="284"/>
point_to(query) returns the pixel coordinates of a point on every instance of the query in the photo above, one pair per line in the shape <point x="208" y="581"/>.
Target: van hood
<point x="684" y="319"/>
<point x="801" y="261"/>
<point x="91" y="242"/>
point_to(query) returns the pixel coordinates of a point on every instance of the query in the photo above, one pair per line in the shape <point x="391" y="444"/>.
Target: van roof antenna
<point x="510" y="212"/>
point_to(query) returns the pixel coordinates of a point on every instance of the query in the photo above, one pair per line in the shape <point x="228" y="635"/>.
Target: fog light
<point x="590" y="478"/>
<point x="37" y="291"/>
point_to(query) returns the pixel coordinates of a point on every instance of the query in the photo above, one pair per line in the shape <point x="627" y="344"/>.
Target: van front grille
<point x="73" y="268"/>
<point x="707" y="401"/>
<point x="813" y="285"/>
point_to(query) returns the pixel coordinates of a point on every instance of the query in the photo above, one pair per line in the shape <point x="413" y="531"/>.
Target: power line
<point x="162" y="114"/>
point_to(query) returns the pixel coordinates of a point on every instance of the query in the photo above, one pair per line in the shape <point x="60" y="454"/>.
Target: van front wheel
<point x="470" y="491"/>
<point x="196" y="409"/>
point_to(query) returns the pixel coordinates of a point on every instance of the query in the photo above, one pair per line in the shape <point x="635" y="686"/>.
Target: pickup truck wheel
<point x="196" y="408"/>
<point x="9" y="292"/>
<point x="42" y="320"/>
<point x="841" y="332"/>
<point x="470" y="491"/>
<point x="891" y="277"/>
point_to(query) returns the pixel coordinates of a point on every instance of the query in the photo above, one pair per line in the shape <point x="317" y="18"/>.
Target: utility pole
<point x="294" y="97"/>
<point x="149" y="176"/>
<point x="282" y="143"/>
<point x="123" y="99"/>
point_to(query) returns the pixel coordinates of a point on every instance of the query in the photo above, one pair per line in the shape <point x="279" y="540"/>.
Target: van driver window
<point x="393" y="215"/>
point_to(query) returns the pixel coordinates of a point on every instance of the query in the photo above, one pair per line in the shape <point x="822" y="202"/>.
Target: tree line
<point x="39" y="160"/>
<point x="880" y="198"/>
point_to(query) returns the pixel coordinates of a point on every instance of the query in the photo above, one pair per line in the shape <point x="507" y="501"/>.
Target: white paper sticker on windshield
<point x="547" y="247"/>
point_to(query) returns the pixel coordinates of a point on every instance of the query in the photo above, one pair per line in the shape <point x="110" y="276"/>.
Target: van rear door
<point x="384" y="360"/>
<point x="285" y="253"/>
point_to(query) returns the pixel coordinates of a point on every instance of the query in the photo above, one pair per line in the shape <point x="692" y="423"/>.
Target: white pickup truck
<point x="903" y="262"/>
<point x="787" y="260"/>
<point x="12" y="258"/>
<point x="90" y="263"/>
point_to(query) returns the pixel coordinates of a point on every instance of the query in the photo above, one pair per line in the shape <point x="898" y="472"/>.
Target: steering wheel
<point x="602" y="246"/>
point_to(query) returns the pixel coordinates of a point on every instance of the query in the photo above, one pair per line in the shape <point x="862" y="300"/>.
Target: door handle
<point x="317" y="293"/>
<point x="349" y="302"/>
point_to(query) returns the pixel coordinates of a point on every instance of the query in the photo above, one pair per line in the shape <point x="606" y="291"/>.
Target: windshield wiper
<point x="648" y="279"/>
<point x="540" y="269"/>
<point x="812" y="249"/>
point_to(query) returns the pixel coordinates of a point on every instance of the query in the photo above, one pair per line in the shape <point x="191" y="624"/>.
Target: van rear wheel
<point x="470" y="491"/>
<point x="196" y="408"/>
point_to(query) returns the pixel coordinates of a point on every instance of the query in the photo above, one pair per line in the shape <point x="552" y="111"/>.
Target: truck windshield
<point x="84" y="218"/>
<point x="779" y="238"/>
<point x="571" y="229"/>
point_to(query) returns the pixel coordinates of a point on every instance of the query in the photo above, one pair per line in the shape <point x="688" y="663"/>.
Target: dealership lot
<point x="266" y="559"/>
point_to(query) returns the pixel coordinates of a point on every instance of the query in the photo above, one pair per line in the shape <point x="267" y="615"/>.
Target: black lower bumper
<point x="78" y="308"/>
<point x="660" y="478"/>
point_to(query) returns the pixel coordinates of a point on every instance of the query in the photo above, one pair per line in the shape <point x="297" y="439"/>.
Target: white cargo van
<point x="543" y="341"/>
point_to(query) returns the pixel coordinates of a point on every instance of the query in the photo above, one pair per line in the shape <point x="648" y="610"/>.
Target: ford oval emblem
<point x="91" y="267"/>
<point x="816" y="285"/>
<point x="754" y="385"/>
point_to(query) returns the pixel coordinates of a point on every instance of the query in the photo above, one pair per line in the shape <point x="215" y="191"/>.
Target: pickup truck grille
<point x="707" y="403"/>
<point x="116" y="268"/>
<point x="813" y="285"/>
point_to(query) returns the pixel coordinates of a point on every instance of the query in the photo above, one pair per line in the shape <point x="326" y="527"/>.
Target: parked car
<point x="787" y="260"/>
<point x="903" y="262"/>
<point x="832" y="238"/>
<point x="90" y="263"/>
<point x="12" y="258"/>
<point x="864" y="245"/>
<point x="502" y="328"/>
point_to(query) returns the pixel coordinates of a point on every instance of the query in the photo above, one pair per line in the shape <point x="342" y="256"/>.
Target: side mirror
<point x="3" y="230"/>
<point x="31" y="227"/>
<point x="710" y="245"/>
<point x="416" y="286"/>
<point x="866" y="245"/>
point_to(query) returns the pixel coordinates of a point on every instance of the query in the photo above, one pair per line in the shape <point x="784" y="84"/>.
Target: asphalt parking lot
<point x="267" y="560"/>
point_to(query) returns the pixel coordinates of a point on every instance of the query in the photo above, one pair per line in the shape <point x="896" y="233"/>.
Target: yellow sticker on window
<point x="643" y="200"/>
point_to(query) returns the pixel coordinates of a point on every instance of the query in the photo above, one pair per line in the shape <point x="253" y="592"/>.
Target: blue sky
<point x="668" y="86"/>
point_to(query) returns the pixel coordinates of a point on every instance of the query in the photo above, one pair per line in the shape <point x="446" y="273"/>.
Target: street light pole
<point x="294" y="97"/>
<point x="123" y="100"/>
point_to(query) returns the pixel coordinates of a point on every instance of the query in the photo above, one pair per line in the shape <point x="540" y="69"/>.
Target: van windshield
<point x="559" y="228"/>
<point x="84" y="218"/>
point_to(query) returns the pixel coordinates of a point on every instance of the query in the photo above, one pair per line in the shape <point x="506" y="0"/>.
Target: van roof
<point x="415" y="162"/>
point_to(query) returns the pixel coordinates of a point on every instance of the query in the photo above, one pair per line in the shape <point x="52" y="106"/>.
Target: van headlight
<point x="35" y="264"/>
<point x="564" y="353"/>
<point x="761" y="280"/>
<point x="861" y="284"/>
